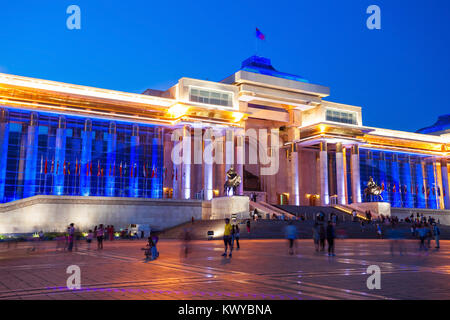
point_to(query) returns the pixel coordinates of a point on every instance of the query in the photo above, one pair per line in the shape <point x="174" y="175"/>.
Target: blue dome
<point x="440" y="127"/>
<point x="262" y="65"/>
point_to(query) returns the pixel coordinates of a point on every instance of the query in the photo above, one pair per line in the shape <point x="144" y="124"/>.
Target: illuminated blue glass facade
<point x="407" y="180"/>
<point x="42" y="153"/>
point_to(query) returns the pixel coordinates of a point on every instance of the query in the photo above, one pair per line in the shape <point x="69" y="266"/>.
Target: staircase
<point x="265" y="208"/>
<point x="274" y="229"/>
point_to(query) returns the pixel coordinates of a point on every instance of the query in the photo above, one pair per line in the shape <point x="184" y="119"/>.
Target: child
<point x="89" y="238"/>
<point x="152" y="248"/>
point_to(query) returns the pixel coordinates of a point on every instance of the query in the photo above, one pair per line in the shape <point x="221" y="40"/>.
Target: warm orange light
<point x="237" y="116"/>
<point x="322" y="127"/>
<point x="177" y="110"/>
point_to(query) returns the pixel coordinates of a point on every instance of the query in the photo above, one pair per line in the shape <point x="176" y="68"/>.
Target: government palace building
<point x="80" y="151"/>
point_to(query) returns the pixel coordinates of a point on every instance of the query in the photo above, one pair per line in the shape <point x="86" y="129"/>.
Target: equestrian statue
<point x="372" y="189"/>
<point x="233" y="181"/>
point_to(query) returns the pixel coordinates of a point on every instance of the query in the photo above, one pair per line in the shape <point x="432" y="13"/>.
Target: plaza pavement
<point x="262" y="269"/>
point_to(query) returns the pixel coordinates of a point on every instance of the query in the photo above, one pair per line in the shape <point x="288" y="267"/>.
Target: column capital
<point x="355" y="149"/>
<point x="339" y="147"/>
<point x="323" y="146"/>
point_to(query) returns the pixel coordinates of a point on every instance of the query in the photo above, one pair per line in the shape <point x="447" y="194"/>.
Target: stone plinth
<point x="225" y="207"/>
<point x="54" y="213"/>
<point x="376" y="208"/>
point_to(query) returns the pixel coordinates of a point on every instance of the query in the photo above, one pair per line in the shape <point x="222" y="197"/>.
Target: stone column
<point x="395" y="173"/>
<point x="176" y="168"/>
<point x="240" y="159"/>
<point x="445" y="184"/>
<point x="156" y="170"/>
<point x="186" y="166"/>
<point x="229" y="149"/>
<point x="111" y="160"/>
<point x="4" y="138"/>
<point x="407" y="192"/>
<point x="60" y="156"/>
<point x="86" y="158"/>
<point x="31" y="156"/>
<point x="356" y="183"/>
<point x="340" y="176"/>
<point x="323" y="174"/>
<point x="294" y="198"/>
<point x="383" y="176"/>
<point x="208" y="164"/>
<point x="134" y="162"/>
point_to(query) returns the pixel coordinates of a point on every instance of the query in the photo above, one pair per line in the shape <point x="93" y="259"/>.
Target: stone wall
<point x="54" y="213"/>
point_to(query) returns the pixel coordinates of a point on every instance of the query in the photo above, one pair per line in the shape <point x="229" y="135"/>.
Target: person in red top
<point x="111" y="233"/>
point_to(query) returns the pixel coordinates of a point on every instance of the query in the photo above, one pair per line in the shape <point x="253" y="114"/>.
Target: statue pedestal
<point x="228" y="207"/>
<point x="375" y="208"/>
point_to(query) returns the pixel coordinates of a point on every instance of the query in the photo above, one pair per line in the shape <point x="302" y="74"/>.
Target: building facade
<point x="287" y="142"/>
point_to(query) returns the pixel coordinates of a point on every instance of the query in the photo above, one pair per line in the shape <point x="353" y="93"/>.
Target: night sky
<point x="400" y="74"/>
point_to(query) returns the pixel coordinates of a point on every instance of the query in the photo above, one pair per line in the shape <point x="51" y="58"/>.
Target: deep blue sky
<point x="400" y="74"/>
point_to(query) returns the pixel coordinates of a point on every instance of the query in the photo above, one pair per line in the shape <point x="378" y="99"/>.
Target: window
<point x="210" y="97"/>
<point x="341" y="116"/>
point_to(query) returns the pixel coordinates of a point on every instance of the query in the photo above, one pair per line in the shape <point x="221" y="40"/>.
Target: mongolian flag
<point x="45" y="166"/>
<point x="144" y="171"/>
<point x="173" y="174"/>
<point x="68" y="168"/>
<point x="131" y="171"/>
<point x="101" y="170"/>
<point x="394" y="189"/>
<point x="120" y="168"/>
<point x="57" y="166"/>
<point x="76" y="166"/>
<point x="417" y="189"/>
<point x="153" y="172"/>
<point x="176" y="174"/>
<point x="53" y="166"/>
<point x="260" y="35"/>
<point x="98" y="168"/>
<point x="90" y="168"/>
<point x="64" y="167"/>
<point x="114" y="169"/>
<point x="87" y="168"/>
<point x="382" y="185"/>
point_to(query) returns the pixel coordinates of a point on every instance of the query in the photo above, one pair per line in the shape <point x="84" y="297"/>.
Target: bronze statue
<point x="233" y="181"/>
<point x="372" y="189"/>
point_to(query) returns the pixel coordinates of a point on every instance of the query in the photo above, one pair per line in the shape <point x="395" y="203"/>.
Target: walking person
<point x="89" y="238"/>
<point x="236" y="236"/>
<point x="322" y="236"/>
<point x="422" y="231"/>
<point x="429" y="234"/>
<point x="331" y="235"/>
<point x="437" y="233"/>
<point x="111" y="233"/>
<point x="291" y="235"/>
<point x="71" y="231"/>
<point x="248" y="226"/>
<point x="316" y="236"/>
<point x="227" y="238"/>
<point x="100" y="233"/>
